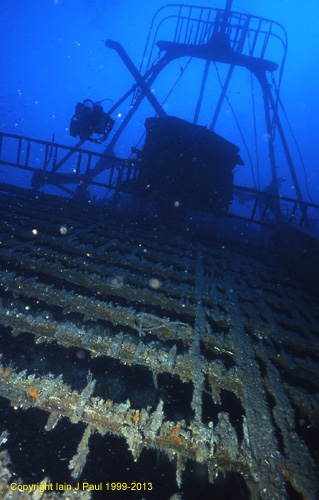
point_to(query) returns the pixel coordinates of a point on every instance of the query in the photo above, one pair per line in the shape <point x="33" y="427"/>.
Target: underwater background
<point x="53" y="55"/>
<point x="176" y="355"/>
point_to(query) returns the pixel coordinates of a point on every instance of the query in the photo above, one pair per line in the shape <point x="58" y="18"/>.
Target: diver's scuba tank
<point x="89" y="118"/>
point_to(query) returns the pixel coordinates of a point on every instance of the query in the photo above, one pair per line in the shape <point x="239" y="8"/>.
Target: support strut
<point x="137" y="76"/>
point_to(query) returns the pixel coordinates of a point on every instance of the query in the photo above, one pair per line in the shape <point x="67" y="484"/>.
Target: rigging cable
<point x="182" y="71"/>
<point x="254" y="117"/>
<point x="278" y="90"/>
<point x="255" y="129"/>
<point x="294" y="139"/>
<point x="46" y="163"/>
<point x="238" y="126"/>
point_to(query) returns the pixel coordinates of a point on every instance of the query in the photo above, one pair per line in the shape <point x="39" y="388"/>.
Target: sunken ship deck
<point x="136" y="355"/>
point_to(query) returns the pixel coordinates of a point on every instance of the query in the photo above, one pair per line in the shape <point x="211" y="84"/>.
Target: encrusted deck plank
<point x="222" y="321"/>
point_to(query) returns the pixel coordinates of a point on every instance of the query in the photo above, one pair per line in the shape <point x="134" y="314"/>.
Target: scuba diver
<point x="89" y="119"/>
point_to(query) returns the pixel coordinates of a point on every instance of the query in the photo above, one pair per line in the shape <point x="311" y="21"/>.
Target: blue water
<point x="53" y="55"/>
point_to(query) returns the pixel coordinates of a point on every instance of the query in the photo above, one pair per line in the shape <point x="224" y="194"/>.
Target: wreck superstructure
<point x="161" y="352"/>
<point x="187" y="33"/>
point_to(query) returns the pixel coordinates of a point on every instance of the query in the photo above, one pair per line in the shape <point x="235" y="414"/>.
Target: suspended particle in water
<point x="63" y="230"/>
<point x="155" y="283"/>
<point x="266" y="137"/>
<point x="117" y="282"/>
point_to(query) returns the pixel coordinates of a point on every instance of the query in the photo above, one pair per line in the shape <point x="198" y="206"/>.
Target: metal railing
<point x="263" y="209"/>
<point x="47" y="158"/>
<point x="42" y="157"/>
<point x="188" y="24"/>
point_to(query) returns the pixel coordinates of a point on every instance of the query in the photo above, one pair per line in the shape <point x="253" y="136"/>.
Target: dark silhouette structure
<point x="89" y="119"/>
<point x="186" y="165"/>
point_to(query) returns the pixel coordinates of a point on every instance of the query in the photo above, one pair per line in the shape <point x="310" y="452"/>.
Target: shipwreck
<point x="135" y="352"/>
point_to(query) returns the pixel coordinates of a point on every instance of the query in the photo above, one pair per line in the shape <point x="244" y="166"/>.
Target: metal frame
<point x="17" y="151"/>
<point x="251" y="39"/>
<point x="194" y="33"/>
